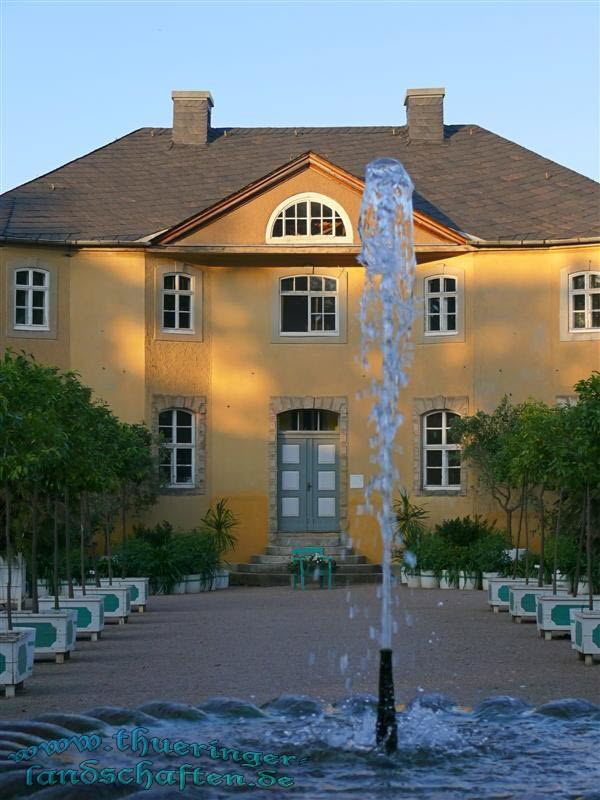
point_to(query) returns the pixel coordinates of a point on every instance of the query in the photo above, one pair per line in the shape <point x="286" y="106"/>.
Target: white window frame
<point x="177" y="293"/>
<point x="308" y="238"/>
<point x="310" y="294"/>
<point x="29" y="288"/>
<point x="444" y="448"/>
<point x="173" y="446"/>
<point x="442" y="296"/>
<point x="587" y="292"/>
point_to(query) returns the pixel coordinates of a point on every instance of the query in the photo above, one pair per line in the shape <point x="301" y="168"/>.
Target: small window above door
<point x="307" y="419"/>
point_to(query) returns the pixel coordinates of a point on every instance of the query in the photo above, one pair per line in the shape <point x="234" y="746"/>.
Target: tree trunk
<point x="35" y="606"/>
<point x="556" y="534"/>
<point x="509" y="513"/>
<point x="541" y="576"/>
<point x="124" y="531"/>
<point x="68" y="546"/>
<point x="588" y="525"/>
<point x="82" y="541"/>
<point x="575" y="585"/>
<point x="516" y="562"/>
<point x="527" y="538"/>
<point x="8" y="562"/>
<point x="55" y="559"/>
<point x="108" y="547"/>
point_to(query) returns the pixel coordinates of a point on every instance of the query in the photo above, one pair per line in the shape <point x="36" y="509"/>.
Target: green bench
<point x="300" y="554"/>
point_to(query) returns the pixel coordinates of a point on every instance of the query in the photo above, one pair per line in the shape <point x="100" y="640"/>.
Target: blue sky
<point x="76" y="75"/>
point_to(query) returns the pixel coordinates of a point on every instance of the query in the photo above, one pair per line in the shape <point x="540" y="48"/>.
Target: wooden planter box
<point x="117" y="605"/>
<point x="90" y="613"/>
<point x="586" y="634"/>
<point x="16" y="658"/>
<point x="138" y="590"/>
<point x="523" y="600"/>
<point x="555" y="613"/>
<point x="498" y="592"/>
<point x="55" y="631"/>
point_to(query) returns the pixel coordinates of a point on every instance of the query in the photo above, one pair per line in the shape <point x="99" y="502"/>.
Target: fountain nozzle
<point x="386" y="732"/>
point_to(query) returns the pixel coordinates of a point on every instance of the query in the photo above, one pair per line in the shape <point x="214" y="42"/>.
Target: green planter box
<point x="90" y="613"/>
<point x="138" y="590"/>
<point x="498" y="592"/>
<point x="555" y="612"/>
<point x="55" y="631"/>
<point x="523" y="600"/>
<point x="117" y="603"/>
<point x="16" y="658"/>
<point x="585" y="633"/>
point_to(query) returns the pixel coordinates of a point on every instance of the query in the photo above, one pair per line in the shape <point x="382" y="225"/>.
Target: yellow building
<point x="205" y="280"/>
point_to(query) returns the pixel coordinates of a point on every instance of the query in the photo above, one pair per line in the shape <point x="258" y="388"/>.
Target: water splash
<point x="386" y="315"/>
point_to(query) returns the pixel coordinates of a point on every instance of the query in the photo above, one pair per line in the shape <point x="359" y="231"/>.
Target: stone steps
<point x="284" y="550"/>
<point x="275" y="569"/>
<point x="271" y="567"/>
<point x="283" y="558"/>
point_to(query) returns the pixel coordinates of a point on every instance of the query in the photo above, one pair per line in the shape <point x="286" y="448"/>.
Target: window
<point x="440" y="305"/>
<point x="309" y="216"/>
<point x="307" y="419"/>
<point x="31" y="299"/>
<point x="177" y="303"/>
<point x="309" y="305"/>
<point x="584" y="301"/>
<point x="441" y="453"/>
<point x="176" y="428"/>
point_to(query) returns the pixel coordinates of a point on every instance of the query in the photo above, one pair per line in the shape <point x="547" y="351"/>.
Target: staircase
<point x="271" y="567"/>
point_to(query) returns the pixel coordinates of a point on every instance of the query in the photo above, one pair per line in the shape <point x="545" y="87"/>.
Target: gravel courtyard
<point x="257" y="643"/>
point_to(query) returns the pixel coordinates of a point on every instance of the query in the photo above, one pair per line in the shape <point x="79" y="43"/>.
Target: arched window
<point x="176" y="428"/>
<point x="309" y="305"/>
<point x="177" y="303"/>
<point x="31" y="298"/>
<point x="309" y="217"/>
<point x="440" y="305"/>
<point x="441" y="452"/>
<point x="584" y="301"/>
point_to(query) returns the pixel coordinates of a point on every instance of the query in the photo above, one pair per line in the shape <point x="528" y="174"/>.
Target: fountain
<point x="502" y="748"/>
<point x="387" y="312"/>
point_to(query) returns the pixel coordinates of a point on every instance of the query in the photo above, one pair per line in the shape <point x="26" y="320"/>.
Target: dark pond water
<point x="299" y="748"/>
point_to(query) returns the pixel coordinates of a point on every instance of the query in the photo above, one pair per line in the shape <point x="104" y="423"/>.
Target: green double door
<point x="308" y="483"/>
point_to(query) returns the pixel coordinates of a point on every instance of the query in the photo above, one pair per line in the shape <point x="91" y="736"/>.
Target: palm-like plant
<point x="411" y="522"/>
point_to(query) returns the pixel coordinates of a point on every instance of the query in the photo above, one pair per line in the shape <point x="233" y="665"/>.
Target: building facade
<point x="205" y="280"/>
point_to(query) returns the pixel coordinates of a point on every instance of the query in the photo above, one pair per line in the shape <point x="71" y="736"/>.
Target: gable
<point x="243" y="218"/>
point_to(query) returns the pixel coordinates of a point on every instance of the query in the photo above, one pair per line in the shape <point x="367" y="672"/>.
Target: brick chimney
<point x="425" y="115"/>
<point x="191" y="116"/>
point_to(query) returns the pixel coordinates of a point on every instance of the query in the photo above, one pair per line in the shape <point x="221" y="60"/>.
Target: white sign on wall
<point x="357" y="481"/>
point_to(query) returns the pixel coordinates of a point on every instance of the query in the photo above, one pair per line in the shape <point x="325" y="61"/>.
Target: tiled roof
<point x="475" y="182"/>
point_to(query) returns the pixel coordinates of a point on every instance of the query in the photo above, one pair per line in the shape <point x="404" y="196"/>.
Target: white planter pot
<point x="192" y="583"/>
<point x="413" y="581"/>
<point x="467" y="582"/>
<point x="429" y="581"/>
<point x="498" y="592"/>
<point x="90" y="613"/>
<point x="179" y="587"/>
<point x="17" y="580"/>
<point x="55" y="631"/>
<point x="117" y="604"/>
<point x="16" y="658"/>
<point x="523" y="600"/>
<point x="583" y="588"/>
<point x="555" y="612"/>
<point x="485" y="579"/>
<point x="586" y="634"/>
<point x="222" y="579"/>
<point x="445" y="582"/>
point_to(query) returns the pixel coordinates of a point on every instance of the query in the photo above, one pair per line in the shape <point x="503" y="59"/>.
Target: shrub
<point x="463" y="531"/>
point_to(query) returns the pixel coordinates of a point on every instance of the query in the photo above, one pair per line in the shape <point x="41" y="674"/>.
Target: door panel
<point x="307" y="484"/>
<point x="323" y="504"/>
